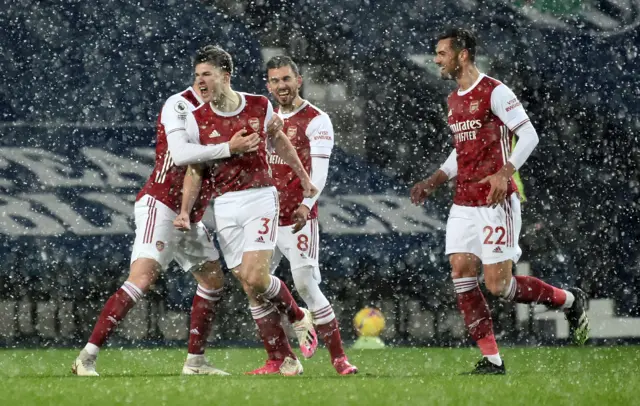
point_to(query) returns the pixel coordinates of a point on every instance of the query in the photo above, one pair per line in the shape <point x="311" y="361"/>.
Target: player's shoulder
<point x="497" y="87"/>
<point x="252" y="98"/>
<point x="491" y="81"/>
<point x="184" y="101"/>
<point x="314" y="111"/>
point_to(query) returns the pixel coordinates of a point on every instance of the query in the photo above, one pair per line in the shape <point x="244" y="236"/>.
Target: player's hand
<point x="308" y="189"/>
<point x="420" y="191"/>
<point x="300" y="217"/>
<point x="182" y="222"/>
<point x="499" y="184"/>
<point x="275" y="124"/>
<point x="241" y="143"/>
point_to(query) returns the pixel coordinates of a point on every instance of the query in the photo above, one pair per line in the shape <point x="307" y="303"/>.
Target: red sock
<point x="113" y="312"/>
<point x="280" y="296"/>
<point x="275" y="340"/>
<point x="330" y="333"/>
<point x="527" y="289"/>
<point x="477" y="318"/>
<point x="203" y="313"/>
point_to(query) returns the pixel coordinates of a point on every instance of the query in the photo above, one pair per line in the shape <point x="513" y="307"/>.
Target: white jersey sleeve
<point x="174" y="114"/>
<point x="183" y="138"/>
<point x="507" y="107"/>
<point x="450" y="166"/>
<point x="268" y="116"/>
<point x="321" y="136"/>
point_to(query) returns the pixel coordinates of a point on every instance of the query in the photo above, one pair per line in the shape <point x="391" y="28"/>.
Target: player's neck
<point x="297" y="102"/>
<point x="468" y="77"/>
<point x="227" y="102"/>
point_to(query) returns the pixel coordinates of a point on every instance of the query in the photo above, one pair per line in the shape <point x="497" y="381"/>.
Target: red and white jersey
<point x="311" y="133"/>
<point x="238" y="172"/>
<point x="483" y="119"/>
<point x="165" y="182"/>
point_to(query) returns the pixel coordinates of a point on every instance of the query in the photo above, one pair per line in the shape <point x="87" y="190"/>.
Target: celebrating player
<point x="157" y="241"/>
<point x="484" y="221"/>
<point x="246" y="206"/>
<point x="310" y="131"/>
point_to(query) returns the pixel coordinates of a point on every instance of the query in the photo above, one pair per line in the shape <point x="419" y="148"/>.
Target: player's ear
<point x="463" y="55"/>
<point x="299" y="80"/>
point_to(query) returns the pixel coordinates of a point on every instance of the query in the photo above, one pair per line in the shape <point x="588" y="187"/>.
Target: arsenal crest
<point x="159" y="245"/>
<point x="474" y="106"/>
<point x="254" y="123"/>
<point x="292" y="131"/>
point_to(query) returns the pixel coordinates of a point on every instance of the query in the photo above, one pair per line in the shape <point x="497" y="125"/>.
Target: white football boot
<point x="200" y="366"/>
<point x="306" y="333"/>
<point x="291" y="367"/>
<point x="85" y="364"/>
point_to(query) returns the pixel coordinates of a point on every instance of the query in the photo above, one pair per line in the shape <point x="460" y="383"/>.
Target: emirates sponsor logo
<point x="276" y="160"/>
<point x="465" y="130"/>
<point x="466" y="125"/>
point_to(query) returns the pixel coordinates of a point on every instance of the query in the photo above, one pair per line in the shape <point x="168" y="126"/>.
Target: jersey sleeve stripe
<point x="504" y="146"/>
<point x="520" y="124"/>
<point x="177" y="129"/>
<point x="320" y="156"/>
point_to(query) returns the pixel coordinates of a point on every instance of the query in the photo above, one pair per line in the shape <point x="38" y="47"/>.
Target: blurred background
<point x="82" y="84"/>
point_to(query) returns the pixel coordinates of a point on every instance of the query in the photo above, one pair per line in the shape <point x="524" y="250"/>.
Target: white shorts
<point x="246" y="220"/>
<point x="158" y="239"/>
<point x="491" y="234"/>
<point x="301" y="249"/>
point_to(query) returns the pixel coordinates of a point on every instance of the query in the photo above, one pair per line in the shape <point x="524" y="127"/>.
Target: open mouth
<point x="284" y="93"/>
<point x="204" y="91"/>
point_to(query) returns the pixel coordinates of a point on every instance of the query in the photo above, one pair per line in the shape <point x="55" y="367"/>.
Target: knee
<point x="497" y="287"/>
<point x="210" y="275"/>
<point x="144" y="272"/>
<point x="255" y="280"/>
<point x="303" y="280"/>
<point x="463" y="266"/>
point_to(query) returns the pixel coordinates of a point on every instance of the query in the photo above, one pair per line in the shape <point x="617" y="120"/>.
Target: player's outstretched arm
<point x="423" y="189"/>
<point x="285" y="150"/>
<point x="190" y="192"/>
<point x="184" y="152"/>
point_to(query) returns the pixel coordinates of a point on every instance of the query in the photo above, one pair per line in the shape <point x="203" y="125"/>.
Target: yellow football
<point x="369" y="322"/>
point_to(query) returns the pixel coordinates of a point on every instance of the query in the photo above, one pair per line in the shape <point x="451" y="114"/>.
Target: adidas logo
<point x="214" y="134"/>
<point x="497" y="250"/>
<point x="194" y="331"/>
<point x="260" y="239"/>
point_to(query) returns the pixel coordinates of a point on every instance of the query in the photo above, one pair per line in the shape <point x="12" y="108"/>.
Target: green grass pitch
<point x="399" y="376"/>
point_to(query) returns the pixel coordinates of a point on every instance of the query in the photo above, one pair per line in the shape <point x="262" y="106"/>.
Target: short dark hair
<point x="281" y="61"/>
<point x="216" y="56"/>
<point x="461" y="38"/>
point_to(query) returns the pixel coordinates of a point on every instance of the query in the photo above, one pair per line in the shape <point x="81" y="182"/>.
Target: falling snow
<point x="82" y="84"/>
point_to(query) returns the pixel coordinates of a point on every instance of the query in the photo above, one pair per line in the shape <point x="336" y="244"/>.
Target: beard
<point x="451" y="74"/>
